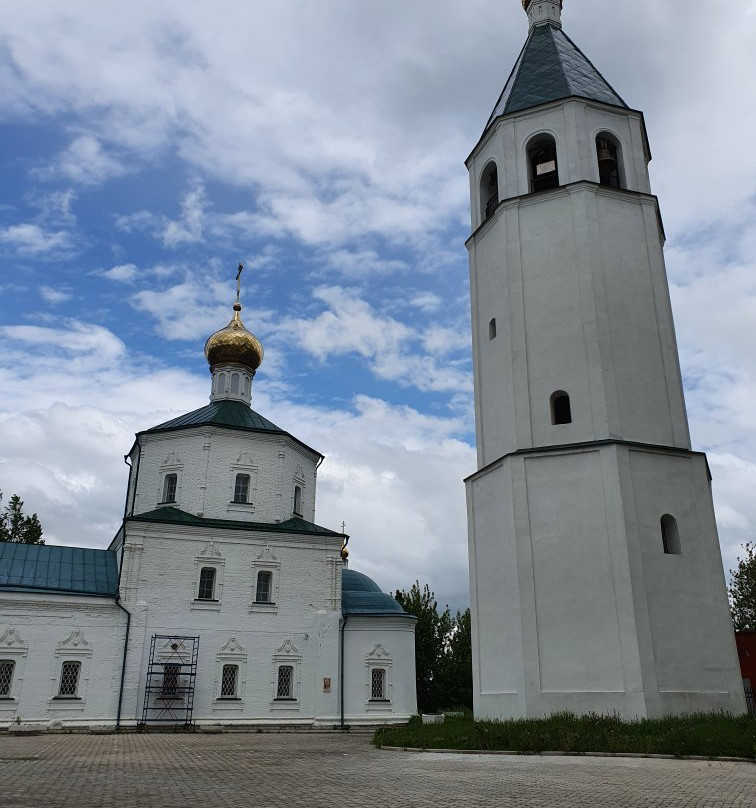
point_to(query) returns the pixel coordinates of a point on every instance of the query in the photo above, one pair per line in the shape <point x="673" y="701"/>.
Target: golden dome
<point x="234" y="345"/>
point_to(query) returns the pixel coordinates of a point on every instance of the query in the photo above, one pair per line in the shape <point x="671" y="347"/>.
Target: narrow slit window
<point x="206" y="584"/>
<point x="285" y="683"/>
<point x="561" y="412"/>
<point x="170" y="483"/>
<point x="229" y="681"/>
<point x="6" y="677"/>
<point x="264" y="587"/>
<point x="69" y="680"/>
<point x="378" y="684"/>
<point x="489" y="190"/>
<point x="234" y="384"/>
<point x="298" y="500"/>
<point x="670" y="535"/>
<point x="241" y="488"/>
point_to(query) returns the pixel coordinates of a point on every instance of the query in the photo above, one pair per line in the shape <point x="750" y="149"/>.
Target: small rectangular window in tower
<point x="263" y="590"/>
<point x="6" y="677"/>
<point x="206" y="589"/>
<point x="378" y="684"/>
<point x="492" y="328"/>
<point x="285" y="683"/>
<point x="241" y="488"/>
<point x="69" y="680"/>
<point x="229" y="681"/>
<point x="169" y="487"/>
<point x="298" y="500"/>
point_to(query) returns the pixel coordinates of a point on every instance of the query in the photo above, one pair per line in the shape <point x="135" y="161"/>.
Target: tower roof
<point x="549" y="68"/>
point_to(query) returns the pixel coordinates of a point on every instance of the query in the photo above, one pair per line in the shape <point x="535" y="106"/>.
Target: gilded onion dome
<point x="234" y="345"/>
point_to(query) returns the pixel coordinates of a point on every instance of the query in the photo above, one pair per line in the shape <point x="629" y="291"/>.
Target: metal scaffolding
<point x="169" y="685"/>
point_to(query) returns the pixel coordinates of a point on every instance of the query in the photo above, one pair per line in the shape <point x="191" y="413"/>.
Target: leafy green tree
<point x="15" y="526"/>
<point x="459" y="684"/>
<point x="743" y="590"/>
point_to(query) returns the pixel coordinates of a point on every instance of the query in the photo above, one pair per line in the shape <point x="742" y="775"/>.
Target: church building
<point x="219" y="601"/>
<point x="595" y="569"/>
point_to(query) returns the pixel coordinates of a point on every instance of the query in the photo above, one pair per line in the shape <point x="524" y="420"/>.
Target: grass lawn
<point x="711" y="735"/>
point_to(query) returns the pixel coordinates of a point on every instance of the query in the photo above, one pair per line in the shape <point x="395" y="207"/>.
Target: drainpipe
<point x="123" y="661"/>
<point x="341" y="674"/>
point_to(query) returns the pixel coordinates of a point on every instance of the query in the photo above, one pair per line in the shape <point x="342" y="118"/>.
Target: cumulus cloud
<point x="54" y="296"/>
<point x="122" y="273"/>
<point x="84" y="162"/>
<point x="30" y="239"/>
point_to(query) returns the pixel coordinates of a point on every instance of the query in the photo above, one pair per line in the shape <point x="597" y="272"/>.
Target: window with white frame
<point x="206" y="589"/>
<point x="264" y="587"/>
<point x="7" y="668"/>
<point x="285" y="683"/>
<point x="378" y="684"/>
<point x="170" y="486"/>
<point x="287" y="673"/>
<point x="241" y="488"/>
<point x="229" y="681"/>
<point x="378" y="664"/>
<point x="298" y="500"/>
<point x="68" y="687"/>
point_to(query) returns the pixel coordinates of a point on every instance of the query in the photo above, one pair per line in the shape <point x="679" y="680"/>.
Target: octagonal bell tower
<point x="596" y="575"/>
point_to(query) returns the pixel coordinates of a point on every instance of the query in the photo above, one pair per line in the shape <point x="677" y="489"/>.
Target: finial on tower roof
<point x="542" y="11"/>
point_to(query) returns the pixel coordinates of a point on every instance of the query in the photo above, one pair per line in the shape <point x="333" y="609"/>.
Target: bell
<point x="605" y="154"/>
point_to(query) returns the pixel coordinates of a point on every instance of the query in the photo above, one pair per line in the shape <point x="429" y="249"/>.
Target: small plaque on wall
<point x="326" y="684"/>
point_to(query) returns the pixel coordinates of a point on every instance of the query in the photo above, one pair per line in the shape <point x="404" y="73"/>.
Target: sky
<point x="147" y="148"/>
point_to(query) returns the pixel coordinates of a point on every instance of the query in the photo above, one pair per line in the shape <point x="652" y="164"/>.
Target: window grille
<point x="241" y="488"/>
<point x="170" y="687"/>
<point x="285" y="689"/>
<point x="206" y="584"/>
<point x="228" y="681"/>
<point x="169" y="487"/>
<point x="378" y="683"/>
<point x="69" y="679"/>
<point x="6" y="676"/>
<point x="263" y="592"/>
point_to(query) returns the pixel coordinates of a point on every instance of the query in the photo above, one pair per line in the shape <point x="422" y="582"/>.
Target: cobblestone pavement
<point x="268" y="770"/>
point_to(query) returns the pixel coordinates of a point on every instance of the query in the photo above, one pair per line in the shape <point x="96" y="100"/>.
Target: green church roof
<point x="175" y="516"/>
<point x="230" y="414"/>
<point x="549" y="68"/>
<point x="361" y="595"/>
<point x="60" y="570"/>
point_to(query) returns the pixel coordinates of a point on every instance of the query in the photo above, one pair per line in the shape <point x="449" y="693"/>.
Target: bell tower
<point x="595" y="570"/>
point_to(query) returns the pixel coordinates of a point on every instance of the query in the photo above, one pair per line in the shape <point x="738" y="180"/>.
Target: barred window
<point x="263" y="591"/>
<point x="241" y="488"/>
<point x="285" y="689"/>
<point x="378" y="683"/>
<point x="170" y="687"/>
<point x="229" y="681"/>
<point x="206" y="583"/>
<point x="169" y="487"/>
<point x="6" y="676"/>
<point x="69" y="679"/>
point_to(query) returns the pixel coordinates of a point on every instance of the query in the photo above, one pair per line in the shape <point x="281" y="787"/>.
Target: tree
<point x="443" y="651"/>
<point x="15" y="527"/>
<point x="743" y="590"/>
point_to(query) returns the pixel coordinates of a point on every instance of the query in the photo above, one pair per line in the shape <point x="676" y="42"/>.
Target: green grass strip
<point x="706" y="735"/>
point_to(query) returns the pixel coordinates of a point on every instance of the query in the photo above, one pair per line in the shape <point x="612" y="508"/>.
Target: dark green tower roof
<point x="549" y="68"/>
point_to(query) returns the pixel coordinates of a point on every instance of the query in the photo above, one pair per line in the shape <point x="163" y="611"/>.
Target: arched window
<point x="492" y="328"/>
<point x="542" y="163"/>
<point x="229" y="681"/>
<point x="489" y="190"/>
<point x="221" y="384"/>
<point x="6" y="677"/>
<point x="69" y="680"/>
<point x="608" y="156"/>
<point x="298" y="500"/>
<point x="206" y="590"/>
<point x="170" y="481"/>
<point x="234" y="384"/>
<point x="561" y="413"/>
<point x="285" y="682"/>
<point x="241" y="488"/>
<point x="670" y="535"/>
<point x="264" y="587"/>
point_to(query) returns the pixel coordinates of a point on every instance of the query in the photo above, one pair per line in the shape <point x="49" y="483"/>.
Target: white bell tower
<point x="595" y="570"/>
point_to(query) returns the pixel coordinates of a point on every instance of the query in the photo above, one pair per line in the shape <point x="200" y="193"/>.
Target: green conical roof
<point x="551" y="67"/>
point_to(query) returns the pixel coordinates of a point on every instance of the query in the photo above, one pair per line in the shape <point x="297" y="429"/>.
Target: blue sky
<point x="147" y="149"/>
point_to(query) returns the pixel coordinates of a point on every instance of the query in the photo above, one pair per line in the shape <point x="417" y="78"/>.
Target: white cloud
<point x="31" y="240"/>
<point x="84" y="162"/>
<point x="54" y="296"/>
<point x="122" y="273"/>
<point x="189" y="228"/>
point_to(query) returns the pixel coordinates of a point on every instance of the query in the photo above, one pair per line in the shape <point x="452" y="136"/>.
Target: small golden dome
<point x="234" y="345"/>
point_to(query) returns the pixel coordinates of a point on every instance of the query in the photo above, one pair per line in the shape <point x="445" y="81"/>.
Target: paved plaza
<point x="270" y="770"/>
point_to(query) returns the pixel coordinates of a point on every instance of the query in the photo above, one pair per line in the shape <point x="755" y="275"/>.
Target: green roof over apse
<point x="230" y="414"/>
<point x="60" y="570"/>
<point x="549" y="68"/>
<point x="362" y="596"/>
<point x="175" y="516"/>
